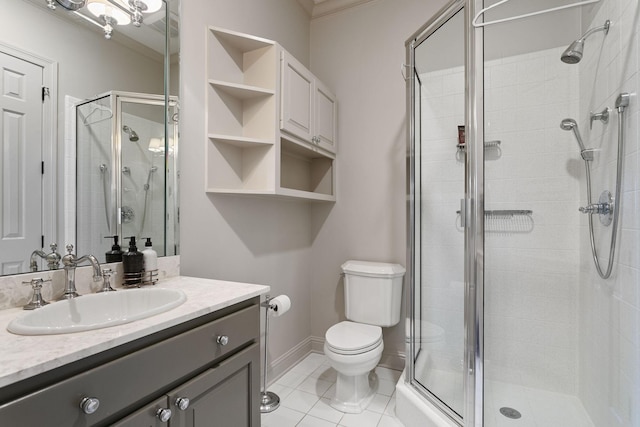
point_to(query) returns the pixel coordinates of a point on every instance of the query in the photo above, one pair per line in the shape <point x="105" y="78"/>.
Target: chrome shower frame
<point x="413" y="202"/>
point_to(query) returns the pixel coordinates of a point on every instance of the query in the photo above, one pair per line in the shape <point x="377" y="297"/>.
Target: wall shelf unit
<point x="247" y="152"/>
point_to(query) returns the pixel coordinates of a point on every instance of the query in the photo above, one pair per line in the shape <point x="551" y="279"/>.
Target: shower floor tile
<point x="306" y="390"/>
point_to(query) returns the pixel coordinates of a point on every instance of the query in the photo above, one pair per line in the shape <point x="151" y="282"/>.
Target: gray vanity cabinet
<point x="146" y="416"/>
<point x="224" y="396"/>
<point x="214" y="361"/>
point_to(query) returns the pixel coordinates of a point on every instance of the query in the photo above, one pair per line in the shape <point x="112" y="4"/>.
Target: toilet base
<point x="354" y="392"/>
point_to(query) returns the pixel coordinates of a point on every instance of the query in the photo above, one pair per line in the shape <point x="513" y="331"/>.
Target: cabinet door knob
<point x="163" y="414"/>
<point x="89" y="405"/>
<point x="222" y="340"/>
<point x="182" y="403"/>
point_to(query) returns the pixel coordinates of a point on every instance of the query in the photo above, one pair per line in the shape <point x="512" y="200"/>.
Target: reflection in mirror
<point x="51" y="61"/>
<point x="137" y="188"/>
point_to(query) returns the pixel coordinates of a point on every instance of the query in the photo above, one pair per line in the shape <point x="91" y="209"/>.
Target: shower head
<point x="573" y="54"/>
<point x="570" y="124"/>
<point x="133" y="136"/>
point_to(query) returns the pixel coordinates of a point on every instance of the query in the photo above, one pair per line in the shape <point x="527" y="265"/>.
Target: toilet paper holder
<point x="269" y="401"/>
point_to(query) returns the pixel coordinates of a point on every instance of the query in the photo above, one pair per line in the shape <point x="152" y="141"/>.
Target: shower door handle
<point x="463" y="213"/>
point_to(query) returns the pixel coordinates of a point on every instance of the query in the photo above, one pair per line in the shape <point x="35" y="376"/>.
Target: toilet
<point x="372" y="294"/>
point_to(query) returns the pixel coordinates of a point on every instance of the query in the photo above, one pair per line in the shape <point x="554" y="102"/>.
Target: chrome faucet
<point x="70" y="262"/>
<point x="53" y="258"/>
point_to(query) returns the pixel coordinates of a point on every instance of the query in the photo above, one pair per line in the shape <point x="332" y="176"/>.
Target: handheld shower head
<point x="133" y="136"/>
<point x="573" y="54"/>
<point x="570" y="124"/>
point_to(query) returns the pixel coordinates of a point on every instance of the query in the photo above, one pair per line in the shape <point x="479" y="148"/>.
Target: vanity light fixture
<point x="138" y="7"/>
<point x="110" y="12"/>
<point x="67" y="4"/>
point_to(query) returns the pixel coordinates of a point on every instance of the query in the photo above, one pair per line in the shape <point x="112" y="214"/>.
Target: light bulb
<point x="103" y="8"/>
<point x="146" y="6"/>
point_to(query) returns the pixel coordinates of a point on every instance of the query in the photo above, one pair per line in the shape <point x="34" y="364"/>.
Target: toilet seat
<point x="350" y="338"/>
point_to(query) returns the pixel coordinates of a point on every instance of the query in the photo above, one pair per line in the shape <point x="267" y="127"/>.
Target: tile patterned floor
<point x="306" y="390"/>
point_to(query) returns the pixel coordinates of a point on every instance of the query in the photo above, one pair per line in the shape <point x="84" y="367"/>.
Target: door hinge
<point x="45" y="92"/>
<point x="42" y="168"/>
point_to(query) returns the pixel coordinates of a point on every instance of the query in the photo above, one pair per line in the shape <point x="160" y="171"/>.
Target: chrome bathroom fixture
<point x="608" y="206"/>
<point x="133" y="136"/>
<point x="146" y="188"/>
<point x="269" y="401"/>
<point x="570" y="124"/>
<point x="573" y="54"/>
<point x="109" y="13"/>
<point x="105" y="192"/>
<point x="70" y="4"/>
<point x="603" y="116"/>
<point x="70" y="262"/>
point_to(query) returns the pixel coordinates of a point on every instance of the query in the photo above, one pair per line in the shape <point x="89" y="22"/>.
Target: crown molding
<point x="318" y="8"/>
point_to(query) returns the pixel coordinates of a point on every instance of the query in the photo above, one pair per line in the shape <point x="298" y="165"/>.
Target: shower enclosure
<point x="515" y="317"/>
<point x="126" y="176"/>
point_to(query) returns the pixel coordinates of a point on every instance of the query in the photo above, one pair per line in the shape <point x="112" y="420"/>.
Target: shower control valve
<point x="604" y="208"/>
<point x="597" y="208"/>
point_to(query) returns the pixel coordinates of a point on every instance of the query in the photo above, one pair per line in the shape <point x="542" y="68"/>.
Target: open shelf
<point x="239" y="168"/>
<point x="241" y="59"/>
<point x="306" y="170"/>
<point x="246" y="152"/>
<point x="247" y="116"/>
<point x="240" y="141"/>
<point x="241" y="91"/>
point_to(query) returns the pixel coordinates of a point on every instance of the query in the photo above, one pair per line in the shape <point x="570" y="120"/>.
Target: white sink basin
<point x="96" y="311"/>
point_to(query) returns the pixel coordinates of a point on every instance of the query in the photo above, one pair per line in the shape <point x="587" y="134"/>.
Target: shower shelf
<point x="487" y="144"/>
<point x="510" y="213"/>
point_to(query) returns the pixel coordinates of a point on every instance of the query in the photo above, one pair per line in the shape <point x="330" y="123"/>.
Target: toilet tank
<point x="373" y="292"/>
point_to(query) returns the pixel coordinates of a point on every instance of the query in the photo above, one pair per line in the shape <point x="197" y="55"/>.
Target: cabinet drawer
<point x="131" y="381"/>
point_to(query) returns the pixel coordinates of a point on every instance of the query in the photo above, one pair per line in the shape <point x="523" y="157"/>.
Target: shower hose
<point x="621" y="103"/>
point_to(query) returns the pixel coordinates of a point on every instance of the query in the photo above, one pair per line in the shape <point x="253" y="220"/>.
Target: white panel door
<point x="297" y="98"/>
<point x="326" y="117"/>
<point x="20" y="162"/>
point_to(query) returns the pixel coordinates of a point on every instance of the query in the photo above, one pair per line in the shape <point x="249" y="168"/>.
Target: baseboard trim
<point x="282" y="364"/>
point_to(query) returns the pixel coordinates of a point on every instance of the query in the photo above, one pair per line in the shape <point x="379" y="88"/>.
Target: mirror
<point x="75" y="87"/>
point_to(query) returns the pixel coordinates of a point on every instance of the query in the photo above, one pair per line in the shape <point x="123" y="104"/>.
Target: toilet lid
<point x="353" y="338"/>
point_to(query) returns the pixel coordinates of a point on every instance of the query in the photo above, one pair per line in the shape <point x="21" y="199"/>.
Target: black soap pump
<point x="132" y="264"/>
<point x="115" y="254"/>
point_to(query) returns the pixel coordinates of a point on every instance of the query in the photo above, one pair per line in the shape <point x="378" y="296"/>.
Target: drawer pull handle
<point x="182" y="403"/>
<point x="89" y="405"/>
<point x="163" y="414"/>
<point x="222" y="340"/>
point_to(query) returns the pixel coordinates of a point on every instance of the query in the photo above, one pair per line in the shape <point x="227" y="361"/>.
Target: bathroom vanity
<point x="193" y="365"/>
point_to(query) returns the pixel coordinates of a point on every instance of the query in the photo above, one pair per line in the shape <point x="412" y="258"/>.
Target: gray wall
<point x="230" y="237"/>
<point x="359" y="53"/>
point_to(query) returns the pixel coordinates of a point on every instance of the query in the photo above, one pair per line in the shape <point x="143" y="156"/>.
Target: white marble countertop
<point x="26" y="356"/>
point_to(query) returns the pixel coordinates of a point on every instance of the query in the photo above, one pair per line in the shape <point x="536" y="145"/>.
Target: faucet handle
<point x="36" y="299"/>
<point x="53" y="247"/>
<point x="106" y="286"/>
<point x="69" y="248"/>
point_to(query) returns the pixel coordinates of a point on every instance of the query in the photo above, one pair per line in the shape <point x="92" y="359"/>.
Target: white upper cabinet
<point x="308" y="108"/>
<point x="270" y="127"/>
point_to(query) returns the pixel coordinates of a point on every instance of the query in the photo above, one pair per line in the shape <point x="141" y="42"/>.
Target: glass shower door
<point x="437" y="347"/>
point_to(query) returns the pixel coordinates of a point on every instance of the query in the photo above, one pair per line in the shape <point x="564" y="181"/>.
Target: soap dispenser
<point x="115" y="254"/>
<point x="150" y="256"/>
<point x="132" y="264"/>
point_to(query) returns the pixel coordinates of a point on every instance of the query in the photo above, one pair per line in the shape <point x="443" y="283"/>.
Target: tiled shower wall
<point x="532" y="260"/>
<point x="609" y="343"/>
